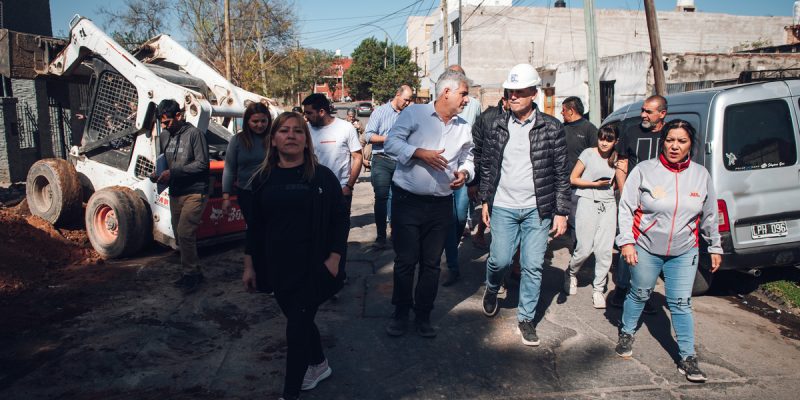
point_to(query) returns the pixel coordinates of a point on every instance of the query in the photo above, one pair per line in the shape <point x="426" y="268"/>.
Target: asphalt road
<point x="146" y="340"/>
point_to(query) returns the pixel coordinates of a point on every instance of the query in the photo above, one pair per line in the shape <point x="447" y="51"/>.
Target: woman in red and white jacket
<point x="668" y="204"/>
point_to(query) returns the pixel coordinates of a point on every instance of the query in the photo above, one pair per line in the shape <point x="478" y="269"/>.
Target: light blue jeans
<point x="460" y="209"/>
<point x="679" y="274"/>
<point x="523" y="228"/>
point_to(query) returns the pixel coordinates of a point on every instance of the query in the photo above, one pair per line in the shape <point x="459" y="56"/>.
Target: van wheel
<point x="53" y="190"/>
<point x="114" y="222"/>
<point x="702" y="280"/>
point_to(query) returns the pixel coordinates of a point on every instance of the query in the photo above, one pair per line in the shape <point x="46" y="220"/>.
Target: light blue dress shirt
<point x="419" y="126"/>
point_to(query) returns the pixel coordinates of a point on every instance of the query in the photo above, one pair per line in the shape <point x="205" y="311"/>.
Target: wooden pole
<point x="656" y="58"/>
<point x="228" y="39"/>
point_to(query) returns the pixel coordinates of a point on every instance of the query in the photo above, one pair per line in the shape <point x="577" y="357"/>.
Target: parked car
<point x="748" y="140"/>
<point x="364" y="109"/>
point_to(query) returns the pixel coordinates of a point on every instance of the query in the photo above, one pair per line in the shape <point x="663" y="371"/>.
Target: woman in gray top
<point x="245" y="154"/>
<point x="668" y="207"/>
<point x="596" y="216"/>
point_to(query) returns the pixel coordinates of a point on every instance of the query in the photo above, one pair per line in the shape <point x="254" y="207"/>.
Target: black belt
<point x="382" y="155"/>
<point x="420" y="197"/>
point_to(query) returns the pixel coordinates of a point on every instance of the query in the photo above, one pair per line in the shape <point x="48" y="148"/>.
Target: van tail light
<point x="722" y="216"/>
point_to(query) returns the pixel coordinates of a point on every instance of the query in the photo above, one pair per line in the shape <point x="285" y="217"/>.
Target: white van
<point x="748" y="140"/>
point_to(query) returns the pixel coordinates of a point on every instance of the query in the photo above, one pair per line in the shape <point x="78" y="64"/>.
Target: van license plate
<point x="769" y="230"/>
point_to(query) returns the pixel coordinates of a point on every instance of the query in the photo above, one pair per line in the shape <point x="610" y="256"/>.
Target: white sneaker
<point x="316" y="374"/>
<point x="598" y="300"/>
<point x="570" y="283"/>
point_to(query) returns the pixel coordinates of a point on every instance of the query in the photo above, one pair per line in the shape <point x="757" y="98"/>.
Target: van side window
<point x="758" y="135"/>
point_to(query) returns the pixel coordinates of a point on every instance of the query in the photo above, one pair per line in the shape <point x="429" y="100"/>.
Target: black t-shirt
<point x="638" y="144"/>
<point x="581" y="135"/>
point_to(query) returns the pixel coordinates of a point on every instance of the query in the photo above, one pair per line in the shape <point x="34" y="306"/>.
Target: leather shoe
<point x="452" y="278"/>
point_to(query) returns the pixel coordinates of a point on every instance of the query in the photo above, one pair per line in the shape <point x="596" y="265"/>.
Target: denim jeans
<point x="381" y="173"/>
<point x="679" y="274"/>
<point x="523" y="228"/>
<point x="420" y="227"/>
<point x="460" y="209"/>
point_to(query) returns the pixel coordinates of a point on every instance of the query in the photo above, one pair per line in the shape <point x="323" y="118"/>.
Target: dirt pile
<point x="31" y="249"/>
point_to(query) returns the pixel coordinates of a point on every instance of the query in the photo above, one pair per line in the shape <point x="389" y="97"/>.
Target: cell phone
<point x="605" y="178"/>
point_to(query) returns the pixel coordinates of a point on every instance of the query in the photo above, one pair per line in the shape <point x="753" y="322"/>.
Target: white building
<point x="492" y="39"/>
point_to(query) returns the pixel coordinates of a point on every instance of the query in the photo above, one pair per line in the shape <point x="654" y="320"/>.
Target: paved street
<point x="144" y="339"/>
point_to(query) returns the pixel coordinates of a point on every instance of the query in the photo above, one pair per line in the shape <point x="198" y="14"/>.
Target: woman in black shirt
<point x="300" y="228"/>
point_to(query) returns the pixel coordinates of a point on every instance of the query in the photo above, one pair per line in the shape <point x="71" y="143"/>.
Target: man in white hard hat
<point x="524" y="187"/>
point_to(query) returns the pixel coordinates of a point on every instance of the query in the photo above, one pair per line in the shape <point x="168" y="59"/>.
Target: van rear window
<point x="758" y="135"/>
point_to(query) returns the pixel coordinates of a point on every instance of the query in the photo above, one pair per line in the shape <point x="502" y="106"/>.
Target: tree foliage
<point x="377" y="72"/>
<point x="264" y="56"/>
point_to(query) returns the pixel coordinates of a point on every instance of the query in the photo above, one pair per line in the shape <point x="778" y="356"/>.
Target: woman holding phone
<point x="596" y="215"/>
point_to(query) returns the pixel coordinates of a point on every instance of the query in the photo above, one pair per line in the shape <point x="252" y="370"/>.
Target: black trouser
<point x="420" y="225"/>
<point x="303" y="343"/>
<point x="348" y="204"/>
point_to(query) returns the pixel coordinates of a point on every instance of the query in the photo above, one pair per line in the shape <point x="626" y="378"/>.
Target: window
<point x="455" y="27"/>
<point x="434" y="47"/>
<point x="441" y="43"/>
<point x="758" y="135"/>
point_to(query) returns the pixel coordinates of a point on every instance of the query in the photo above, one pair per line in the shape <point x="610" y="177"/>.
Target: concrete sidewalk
<point x="151" y="342"/>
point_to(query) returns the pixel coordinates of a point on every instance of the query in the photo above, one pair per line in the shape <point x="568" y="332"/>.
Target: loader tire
<point x="114" y="222"/>
<point x="53" y="190"/>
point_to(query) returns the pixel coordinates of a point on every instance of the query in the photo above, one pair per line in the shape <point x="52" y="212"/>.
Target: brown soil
<point x="33" y="251"/>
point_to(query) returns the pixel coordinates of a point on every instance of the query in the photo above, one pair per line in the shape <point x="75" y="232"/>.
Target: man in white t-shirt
<point x="336" y="146"/>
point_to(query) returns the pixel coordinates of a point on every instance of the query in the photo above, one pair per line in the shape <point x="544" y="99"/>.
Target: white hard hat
<point x="522" y="76"/>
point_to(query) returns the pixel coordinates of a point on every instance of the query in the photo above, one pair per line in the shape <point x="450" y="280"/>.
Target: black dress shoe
<point x="452" y="278"/>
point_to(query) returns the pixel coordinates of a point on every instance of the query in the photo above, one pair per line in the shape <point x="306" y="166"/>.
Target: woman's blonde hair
<point x="271" y="160"/>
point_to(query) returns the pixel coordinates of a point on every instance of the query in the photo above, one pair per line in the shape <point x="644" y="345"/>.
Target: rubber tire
<point x="53" y="190"/>
<point x="702" y="280"/>
<point x="126" y="232"/>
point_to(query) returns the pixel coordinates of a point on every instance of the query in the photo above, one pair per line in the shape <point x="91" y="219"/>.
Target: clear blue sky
<point x="332" y="25"/>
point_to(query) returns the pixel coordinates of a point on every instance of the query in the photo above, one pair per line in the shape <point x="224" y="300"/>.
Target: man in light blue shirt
<point x="383" y="165"/>
<point x="460" y="198"/>
<point x="433" y="148"/>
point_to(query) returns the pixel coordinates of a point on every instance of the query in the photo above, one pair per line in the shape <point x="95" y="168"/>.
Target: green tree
<point x="379" y="68"/>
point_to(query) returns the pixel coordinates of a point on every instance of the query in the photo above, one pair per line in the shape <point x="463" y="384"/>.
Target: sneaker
<point x="424" y="328"/>
<point x="398" y="326"/>
<point x="625" y="345"/>
<point x="598" y="300"/>
<point x="189" y="282"/>
<point x="618" y="299"/>
<point x="315" y="374"/>
<point x="528" y="333"/>
<point x="649" y="308"/>
<point x="689" y="368"/>
<point x="570" y="283"/>
<point x="490" y="308"/>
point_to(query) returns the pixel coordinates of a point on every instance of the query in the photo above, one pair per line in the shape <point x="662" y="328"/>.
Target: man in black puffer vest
<point x="525" y="181"/>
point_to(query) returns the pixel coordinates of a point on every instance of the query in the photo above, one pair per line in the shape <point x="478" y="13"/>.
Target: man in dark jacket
<point x="581" y="134"/>
<point x="524" y="179"/>
<point x="186" y="154"/>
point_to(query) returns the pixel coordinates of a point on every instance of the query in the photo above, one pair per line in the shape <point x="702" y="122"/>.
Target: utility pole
<point x="299" y="81"/>
<point x="591" y="58"/>
<point x="655" y="47"/>
<point x="445" y="39"/>
<point x="228" y="39"/>
<point x="261" y="60"/>
<point x="460" y="32"/>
